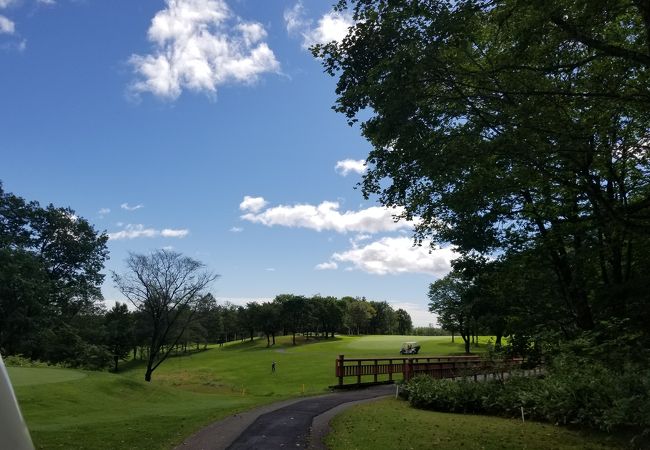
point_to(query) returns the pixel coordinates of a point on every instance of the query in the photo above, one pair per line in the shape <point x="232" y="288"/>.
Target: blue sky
<point x="204" y="126"/>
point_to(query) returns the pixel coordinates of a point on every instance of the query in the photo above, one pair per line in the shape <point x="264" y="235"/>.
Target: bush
<point x="574" y="391"/>
<point x="23" y="361"/>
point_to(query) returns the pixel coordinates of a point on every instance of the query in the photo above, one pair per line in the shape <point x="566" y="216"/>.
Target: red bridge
<point x="434" y="366"/>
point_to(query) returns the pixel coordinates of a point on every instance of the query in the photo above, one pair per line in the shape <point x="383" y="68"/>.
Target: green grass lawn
<point x="74" y="409"/>
<point x="393" y="424"/>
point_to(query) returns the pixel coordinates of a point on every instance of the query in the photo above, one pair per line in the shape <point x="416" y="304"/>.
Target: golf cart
<point x="410" y="348"/>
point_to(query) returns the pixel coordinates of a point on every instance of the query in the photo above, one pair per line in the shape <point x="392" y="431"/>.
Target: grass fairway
<point x="91" y="410"/>
<point x="26" y="376"/>
<point x="394" y="424"/>
<point x="74" y="409"/>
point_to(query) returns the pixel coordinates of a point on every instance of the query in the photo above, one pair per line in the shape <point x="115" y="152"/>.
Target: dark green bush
<point x="574" y="391"/>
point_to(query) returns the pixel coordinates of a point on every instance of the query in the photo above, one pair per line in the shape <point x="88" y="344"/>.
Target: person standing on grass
<point x="273" y="367"/>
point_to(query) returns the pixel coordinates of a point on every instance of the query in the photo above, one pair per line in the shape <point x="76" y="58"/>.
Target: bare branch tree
<point x="166" y="287"/>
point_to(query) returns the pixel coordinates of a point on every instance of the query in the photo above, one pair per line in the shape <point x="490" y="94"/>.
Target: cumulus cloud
<point x="327" y="217"/>
<point x="130" y="208"/>
<point x="200" y="45"/>
<point x="396" y="255"/>
<point x="6" y="3"/>
<point x="236" y="230"/>
<point x="332" y="26"/>
<point x="346" y="166"/>
<point x="168" y="232"/>
<point x="252" y="204"/>
<point x="6" y="26"/>
<point x="330" y="265"/>
<point x="134" y="231"/>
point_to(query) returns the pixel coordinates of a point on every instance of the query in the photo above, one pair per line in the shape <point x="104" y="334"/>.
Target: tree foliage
<point x="513" y="127"/>
<point x="50" y="276"/>
<point x="167" y="287"/>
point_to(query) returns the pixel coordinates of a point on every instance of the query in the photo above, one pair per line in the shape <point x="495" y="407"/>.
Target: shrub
<point x="23" y="361"/>
<point x="574" y="391"/>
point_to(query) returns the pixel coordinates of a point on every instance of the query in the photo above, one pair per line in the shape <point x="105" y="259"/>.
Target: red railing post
<point x="359" y="372"/>
<point x="375" y="370"/>
<point x="408" y="369"/>
<point x="390" y="370"/>
<point x="340" y="368"/>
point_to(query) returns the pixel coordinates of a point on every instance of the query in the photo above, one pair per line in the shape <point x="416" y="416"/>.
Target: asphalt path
<point x="298" y="423"/>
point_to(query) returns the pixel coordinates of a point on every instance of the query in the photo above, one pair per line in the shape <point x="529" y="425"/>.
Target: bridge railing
<point x="408" y="367"/>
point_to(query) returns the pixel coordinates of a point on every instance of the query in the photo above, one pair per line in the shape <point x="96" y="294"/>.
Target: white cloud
<point x="46" y="2"/>
<point x="346" y="166"/>
<point x="395" y="255"/>
<point x="6" y="3"/>
<point x="270" y="269"/>
<point x="332" y="26"/>
<point x="326" y="216"/>
<point x="169" y="248"/>
<point x="331" y="265"/>
<point x="236" y="230"/>
<point x="252" y="204"/>
<point x="199" y="45"/>
<point x="102" y="212"/>
<point x="130" y="208"/>
<point x="167" y="232"/>
<point x="6" y="26"/>
<point x="134" y="231"/>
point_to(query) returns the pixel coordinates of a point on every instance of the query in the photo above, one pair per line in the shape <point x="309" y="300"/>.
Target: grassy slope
<point x="104" y="410"/>
<point x="394" y="424"/>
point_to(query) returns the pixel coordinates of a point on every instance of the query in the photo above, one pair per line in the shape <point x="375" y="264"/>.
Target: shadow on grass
<point x="138" y="363"/>
<point x="282" y="343"/>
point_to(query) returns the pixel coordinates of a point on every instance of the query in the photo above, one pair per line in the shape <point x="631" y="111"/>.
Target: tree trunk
<point x="273" y="336"/>
<point x="116" y="359"/>
<point x="147" y="375"/>
<point x="294" y="338"/>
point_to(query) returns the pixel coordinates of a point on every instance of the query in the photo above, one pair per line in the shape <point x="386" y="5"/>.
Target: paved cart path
<point x="298" y="423"/>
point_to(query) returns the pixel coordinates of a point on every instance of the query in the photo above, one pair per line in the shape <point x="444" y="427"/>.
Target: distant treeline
<point x="430" y="331"/>
<point x="50" y="300"/>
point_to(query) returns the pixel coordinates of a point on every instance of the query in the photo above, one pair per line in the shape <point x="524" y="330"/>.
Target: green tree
<point x="450" y="298"/>
<point x="358" y="314"/>
<point x="511" y="125"/>
<point x="119" y="332"/>
<point x="404" y="323"/>
<point x="383" y="320"/>
<point x="167" y="287"/>
<point x="50" y="274"/>
<point x="295" y="312"/>
<point x="269" y="321"/>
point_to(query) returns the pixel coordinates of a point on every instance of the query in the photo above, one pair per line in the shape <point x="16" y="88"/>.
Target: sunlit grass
<point x="393" y="424"/>
<point x="103" y="410"/>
